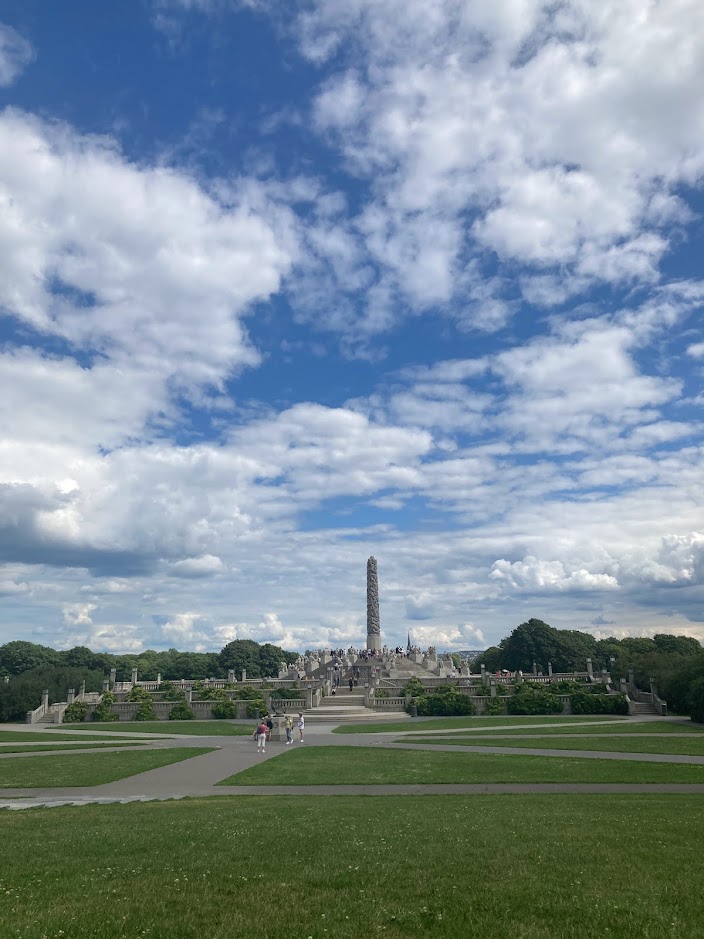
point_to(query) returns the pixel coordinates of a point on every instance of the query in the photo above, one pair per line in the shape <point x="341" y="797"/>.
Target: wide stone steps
<point x="642" y="707"/>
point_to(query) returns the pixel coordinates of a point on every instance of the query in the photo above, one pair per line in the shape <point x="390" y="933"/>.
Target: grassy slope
<point x="189" y="728"/>
<point x="534" y="867"/>
<point x="355" y="765"/>
<point x="478" y="723"/>
<point x="87" y="769"/>
<point x="687" y="746"/>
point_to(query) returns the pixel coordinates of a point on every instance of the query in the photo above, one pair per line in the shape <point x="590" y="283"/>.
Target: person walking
<point x="288" y="724"/>
<point x="261" y="733"/>
<point x="351" y="683"/>
<point x="301" y="726"/>
<point x="269" y="726"/>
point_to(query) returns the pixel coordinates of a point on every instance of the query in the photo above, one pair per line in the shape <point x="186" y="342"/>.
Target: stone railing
<point x="387" y="704"/>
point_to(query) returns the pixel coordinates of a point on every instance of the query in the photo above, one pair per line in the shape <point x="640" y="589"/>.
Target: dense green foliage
<point x="530" y="699"/>
<point x="585" y="702"/>
<point x="24" y="693"/>
<point x="19" y="657"/>
<point x="75" y="712"/>
<point x="103" y="711"/>
<point x="446" y="701"/>
<point x="181" y="712"/>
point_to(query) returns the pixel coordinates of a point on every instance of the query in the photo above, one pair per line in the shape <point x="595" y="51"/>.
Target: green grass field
<point x="19" y="736"/>
<point x="57" y="748"/>
<point x="189" y="728"/>
<point x="685" y="746"/>
<point x="358" y="766"/>
<point x="506" y="867"/>
<point x="475" y="723"/>
<point x="649" y="727"/>
<point x="88" y="769"/>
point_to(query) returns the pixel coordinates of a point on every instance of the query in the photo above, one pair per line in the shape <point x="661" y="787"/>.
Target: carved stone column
<point x="373" y="624"/>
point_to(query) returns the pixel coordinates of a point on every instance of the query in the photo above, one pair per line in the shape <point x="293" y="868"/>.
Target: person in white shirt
<point x="301" y="726"/>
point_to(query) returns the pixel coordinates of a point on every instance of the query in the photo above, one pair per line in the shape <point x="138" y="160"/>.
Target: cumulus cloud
<point x="16" y="53"/>
<point x="118" y="259"/>
<point x="535" y="575"/>
<point x="462" y="636"/>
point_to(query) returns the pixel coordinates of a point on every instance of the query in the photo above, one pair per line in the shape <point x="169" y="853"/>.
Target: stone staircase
<point x="345" y="707"/>
<point x="644" y="707"/>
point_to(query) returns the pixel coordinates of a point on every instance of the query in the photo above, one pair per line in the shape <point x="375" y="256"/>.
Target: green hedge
<point x="587" y="702"/>
<point x="530" y="700"/>
<point x="75" y="712"/>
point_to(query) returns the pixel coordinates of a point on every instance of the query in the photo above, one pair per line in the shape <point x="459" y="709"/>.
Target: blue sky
<point x="286" y="285"/>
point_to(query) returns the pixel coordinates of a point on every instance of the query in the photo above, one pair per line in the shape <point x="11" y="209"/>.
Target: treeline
<point x="676" y="663"/>
<point x="259" y="661"/>
<point x="32" y="668"/>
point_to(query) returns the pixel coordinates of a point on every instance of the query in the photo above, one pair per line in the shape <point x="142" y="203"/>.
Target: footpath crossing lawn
<point x="332" y="766"/>
<point x="57" y="748"/>
<point x="534" y="867"/>
<point x="88" y="769"/>
<point x="189" y="728"/>
<point x="473" y="723"/>
<point x="686" y="746"/>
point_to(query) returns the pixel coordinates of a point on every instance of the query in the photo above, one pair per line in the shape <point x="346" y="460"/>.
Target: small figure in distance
<point x="288" y="724"/>
<point x="301" y="726"/>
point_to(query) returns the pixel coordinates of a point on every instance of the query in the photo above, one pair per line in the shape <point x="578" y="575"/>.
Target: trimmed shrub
<point x="75" y="712"/>
<point x="138" y="693"/>
<point x="225" y="710"/>
<point x="181" y="712"/>
<point x="446" y="702"/>
<point x="257" y="703"/>
<point x="587" y="702"/>
<point x="145" y="711"/>
<point x="495" y="707"/>
<point x="529" y="700"/>
<point x="103" y="711"/>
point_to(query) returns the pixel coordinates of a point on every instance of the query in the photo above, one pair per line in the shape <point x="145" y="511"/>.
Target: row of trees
<point x="259" y="661"/>
<point x="675" y="662"/>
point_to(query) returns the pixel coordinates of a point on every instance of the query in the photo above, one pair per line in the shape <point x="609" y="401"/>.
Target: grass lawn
<point x="651" y="727"/>
<point x="87" y="769"/>
<point x="475" y="723"/>
<point x="42" y="747"/>
<point x="27" y="736"/>
<point x="534" y="867"/>
<point x="687" y="746"/>
<point x="189" y="728"/>
<point x="318" y="766"/>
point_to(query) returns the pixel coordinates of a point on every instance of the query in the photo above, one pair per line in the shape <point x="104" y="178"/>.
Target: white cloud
<point x="203" y="566"/>
<point x="137" y="263"/>
<point x="16" y="53"/>
<point x="464" y="636"/>
<point x="535" y="575"/>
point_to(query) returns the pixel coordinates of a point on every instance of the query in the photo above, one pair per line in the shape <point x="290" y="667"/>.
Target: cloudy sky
<point x="286" y="284"/>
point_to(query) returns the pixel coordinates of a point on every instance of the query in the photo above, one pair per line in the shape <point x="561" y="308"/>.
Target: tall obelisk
<point x="373" y="626"/>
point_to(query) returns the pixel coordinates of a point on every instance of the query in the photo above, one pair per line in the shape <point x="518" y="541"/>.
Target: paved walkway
<point x="199" y="776"/>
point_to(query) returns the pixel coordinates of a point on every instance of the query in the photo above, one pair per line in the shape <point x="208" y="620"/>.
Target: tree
<point x="241" y="654"/>
<point x="20" y="656"/>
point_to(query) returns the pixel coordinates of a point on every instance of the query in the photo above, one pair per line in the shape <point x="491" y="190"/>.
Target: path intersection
<point x="200" y="775"/>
